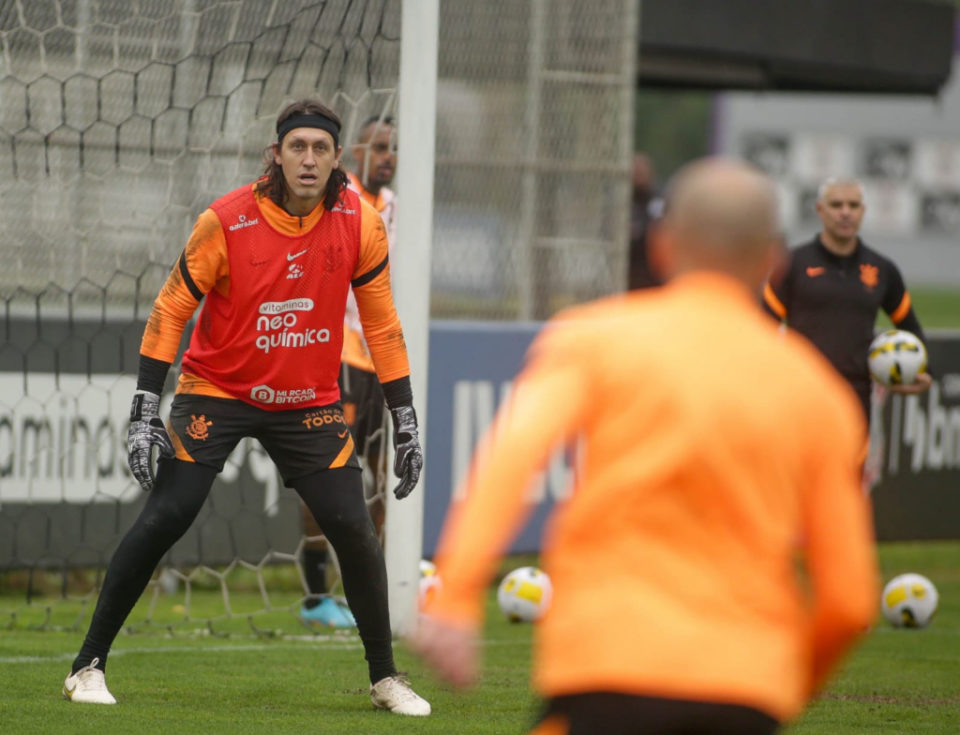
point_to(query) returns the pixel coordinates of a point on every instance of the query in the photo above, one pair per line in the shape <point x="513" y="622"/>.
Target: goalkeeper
<point x="272" y="262"/>
<point x="678" y="605"/>
<point x="360" y="391"/>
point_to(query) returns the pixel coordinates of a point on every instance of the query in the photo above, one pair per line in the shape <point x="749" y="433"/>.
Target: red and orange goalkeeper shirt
<point x="711" y="451"/>
<point x="270" y="331"/>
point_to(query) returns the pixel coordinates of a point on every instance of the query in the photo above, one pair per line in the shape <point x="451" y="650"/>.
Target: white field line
<point x="290" y="643"/>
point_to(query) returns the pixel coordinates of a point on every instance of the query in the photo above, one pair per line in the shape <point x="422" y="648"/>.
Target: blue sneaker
<point x="328" y="613"/>
<point x="348" y="616"/>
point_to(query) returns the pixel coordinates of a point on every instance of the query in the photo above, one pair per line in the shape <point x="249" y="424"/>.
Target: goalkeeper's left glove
<point x="409" y="457"/>
<point x="146" y="431"/>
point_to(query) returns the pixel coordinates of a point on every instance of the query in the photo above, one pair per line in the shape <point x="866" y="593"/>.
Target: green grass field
<point x="937" y="308"/>
<point x="191" y="680"/>
<point x="251" y="671"/>
<point x="901" y="681"/>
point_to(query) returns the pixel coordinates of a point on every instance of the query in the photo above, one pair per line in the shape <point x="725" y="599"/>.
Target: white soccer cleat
<point x="88" y="685"/>
<point x="394" y="693"/>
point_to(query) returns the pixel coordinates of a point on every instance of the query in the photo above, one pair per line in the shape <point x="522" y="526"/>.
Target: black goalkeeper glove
<point x="146" y="430"/>
<point x="409" y="457"/>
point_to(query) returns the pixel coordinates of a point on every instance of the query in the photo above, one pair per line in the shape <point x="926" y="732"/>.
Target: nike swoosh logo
<point x="813" y="272"/>
<point x="294" y="256"/>
<point x="342" y="434"/>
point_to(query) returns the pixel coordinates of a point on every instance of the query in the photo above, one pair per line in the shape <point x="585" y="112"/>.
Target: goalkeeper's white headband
<point x="309" y="121"/>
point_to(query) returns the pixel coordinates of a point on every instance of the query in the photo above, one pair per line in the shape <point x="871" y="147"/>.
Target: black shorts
<point x="364" y="406"/>
<point x="614" y="713"/>
<point x="300" y="441"/>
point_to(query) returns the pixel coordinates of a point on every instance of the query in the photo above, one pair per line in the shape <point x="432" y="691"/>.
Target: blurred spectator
<point x="362" y="397"/>
<point x="644" y="207"/>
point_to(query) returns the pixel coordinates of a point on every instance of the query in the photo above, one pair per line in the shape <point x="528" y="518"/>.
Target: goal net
<point x="121" y="120"/>
<point x="119" y="123"/>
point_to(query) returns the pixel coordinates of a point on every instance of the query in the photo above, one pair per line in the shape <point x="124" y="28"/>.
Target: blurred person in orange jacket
<point x="713" y="452"/>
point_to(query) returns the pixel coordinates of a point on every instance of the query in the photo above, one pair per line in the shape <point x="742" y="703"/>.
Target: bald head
<point x="721" y="215"/>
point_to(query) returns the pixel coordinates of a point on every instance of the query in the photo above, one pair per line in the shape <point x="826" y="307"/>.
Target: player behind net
<point x="364" y="407"/>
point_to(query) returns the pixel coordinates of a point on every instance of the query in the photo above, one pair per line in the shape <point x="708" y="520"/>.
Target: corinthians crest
<point x="198" y="428"/>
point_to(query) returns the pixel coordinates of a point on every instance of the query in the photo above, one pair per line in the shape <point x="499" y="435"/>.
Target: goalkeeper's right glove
<point x="409" y="458"/>
<point x="146" y="430"/>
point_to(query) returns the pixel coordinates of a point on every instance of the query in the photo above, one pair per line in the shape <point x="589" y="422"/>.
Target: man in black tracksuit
<point x="833" y="287"/>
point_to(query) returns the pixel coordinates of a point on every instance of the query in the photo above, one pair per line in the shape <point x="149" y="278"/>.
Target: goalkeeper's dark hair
<point x="274" y="185"/>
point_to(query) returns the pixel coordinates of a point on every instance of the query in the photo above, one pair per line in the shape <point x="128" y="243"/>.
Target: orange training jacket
<point x="712" y="452"/>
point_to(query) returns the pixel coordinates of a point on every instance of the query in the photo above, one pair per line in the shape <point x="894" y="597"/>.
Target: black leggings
<point x="612" y="713"/>
<point x="335" y="497"/>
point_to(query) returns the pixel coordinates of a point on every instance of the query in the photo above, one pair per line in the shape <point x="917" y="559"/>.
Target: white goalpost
<point x="416" y="123"/>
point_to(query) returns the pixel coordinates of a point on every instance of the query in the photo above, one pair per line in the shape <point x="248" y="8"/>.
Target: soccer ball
<point x="429" y="582"/>
<point x="524" y="595"/>
<point x="896" y="357"/>
<point x="909" y="601"/>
